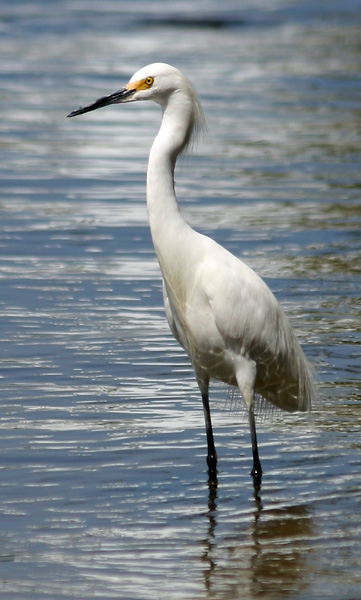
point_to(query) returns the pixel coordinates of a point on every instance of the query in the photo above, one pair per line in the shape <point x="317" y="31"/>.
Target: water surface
<point x="103" y="476"/>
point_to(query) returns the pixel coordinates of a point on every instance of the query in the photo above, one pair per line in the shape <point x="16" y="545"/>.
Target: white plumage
<point x="222" y="313"/>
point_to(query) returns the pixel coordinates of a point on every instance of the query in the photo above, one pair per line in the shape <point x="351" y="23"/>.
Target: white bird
<point x="222" y="313"/>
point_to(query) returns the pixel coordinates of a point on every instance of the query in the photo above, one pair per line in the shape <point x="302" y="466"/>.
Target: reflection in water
<point x="210" y="545"/>
<point x="269" y="557"/>
<point x="102" y="436"/>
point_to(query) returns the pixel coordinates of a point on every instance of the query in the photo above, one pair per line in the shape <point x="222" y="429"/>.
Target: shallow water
<point x="103" y="476"/>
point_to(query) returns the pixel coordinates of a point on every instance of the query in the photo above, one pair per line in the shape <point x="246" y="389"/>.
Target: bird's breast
<point x="191" y="320"/>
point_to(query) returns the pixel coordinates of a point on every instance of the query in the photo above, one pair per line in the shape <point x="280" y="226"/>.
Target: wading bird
<point x="222" y="313"/>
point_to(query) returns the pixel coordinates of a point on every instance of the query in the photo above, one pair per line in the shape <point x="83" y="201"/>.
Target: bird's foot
<point x="212" y="470"/>
<point x="256" y="473"/>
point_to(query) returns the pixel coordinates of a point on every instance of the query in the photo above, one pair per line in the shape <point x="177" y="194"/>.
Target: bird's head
<point x="159" y="82"/>
<point x="153" y="82"/>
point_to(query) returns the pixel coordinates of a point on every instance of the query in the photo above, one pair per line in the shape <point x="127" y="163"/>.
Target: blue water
<point x="103" y="483"/>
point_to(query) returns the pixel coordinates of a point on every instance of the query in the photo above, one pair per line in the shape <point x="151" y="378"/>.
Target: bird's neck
<point x="174" y="133"/>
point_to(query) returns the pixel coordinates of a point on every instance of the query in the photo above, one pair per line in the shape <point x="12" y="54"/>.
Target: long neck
<point x="174" y="133"/>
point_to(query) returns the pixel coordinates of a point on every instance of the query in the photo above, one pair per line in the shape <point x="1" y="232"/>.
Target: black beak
<point x="115" y="98"/>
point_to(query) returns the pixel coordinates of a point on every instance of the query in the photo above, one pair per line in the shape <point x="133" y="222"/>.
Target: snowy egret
<point x="222" y="313"/>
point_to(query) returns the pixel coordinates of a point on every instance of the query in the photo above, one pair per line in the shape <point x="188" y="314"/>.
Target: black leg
<point x="212" y="454"/>
<point x="257" y="469"/>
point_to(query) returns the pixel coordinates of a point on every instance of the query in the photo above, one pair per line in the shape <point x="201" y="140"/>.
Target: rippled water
<point x="103" y="487"/>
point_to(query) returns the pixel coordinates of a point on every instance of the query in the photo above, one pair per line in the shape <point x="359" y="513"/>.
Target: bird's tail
<point x="296" y="389"/>
<point x="285" y="377"/>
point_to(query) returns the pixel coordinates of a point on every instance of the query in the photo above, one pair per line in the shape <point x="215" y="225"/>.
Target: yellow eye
<point x="149" y="81"/>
